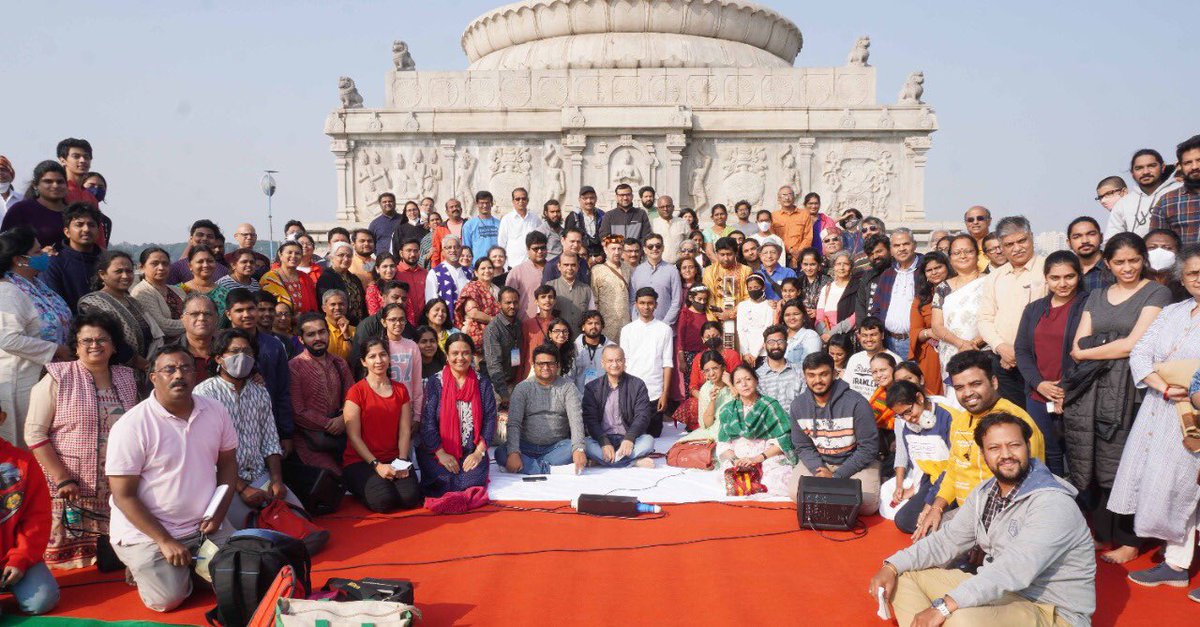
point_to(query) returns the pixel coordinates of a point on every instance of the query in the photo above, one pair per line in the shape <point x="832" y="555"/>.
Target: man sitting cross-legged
<point x="616" y="412"/>
<point x="1040" y="565"/>
<point x="545" y="420"/>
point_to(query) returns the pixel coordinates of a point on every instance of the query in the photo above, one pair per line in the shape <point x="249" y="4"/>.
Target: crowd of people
<point x="968" y="383"/>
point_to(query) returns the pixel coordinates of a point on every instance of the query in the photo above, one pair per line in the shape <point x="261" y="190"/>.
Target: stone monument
<point x="698" y="98"/>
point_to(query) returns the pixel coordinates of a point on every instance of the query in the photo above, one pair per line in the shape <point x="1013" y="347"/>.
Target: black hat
<point x="587" y="189"/>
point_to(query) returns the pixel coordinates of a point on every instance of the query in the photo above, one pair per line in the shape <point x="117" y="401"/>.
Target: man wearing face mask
<point x="319" y="383"/>
<point x="922" y="452"/>
<point x="9" y="195"/>
<point x="259" y="457"/>
<point x="1152" y="181"/>
<point x="241" y="308"/>
<point x="1083" y="236"/>
<point x="1179" y="209"/>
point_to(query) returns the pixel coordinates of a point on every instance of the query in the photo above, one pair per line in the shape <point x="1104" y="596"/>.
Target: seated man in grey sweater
<point x="834" y="433"/>
<point x="1040" y="563"/>
<point x="545" y="421"/>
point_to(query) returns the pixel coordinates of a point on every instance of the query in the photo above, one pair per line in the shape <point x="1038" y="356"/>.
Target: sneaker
<point x="1195" y="595"/>
<point x="1160" y="575"/>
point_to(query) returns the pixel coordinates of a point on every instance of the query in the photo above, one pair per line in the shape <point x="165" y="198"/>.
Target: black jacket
<point x="1026" y="358"/>
<point x="633" y="401"/>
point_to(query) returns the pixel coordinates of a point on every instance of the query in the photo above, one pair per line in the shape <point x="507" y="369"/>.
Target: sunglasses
<point x="974" y="219"/>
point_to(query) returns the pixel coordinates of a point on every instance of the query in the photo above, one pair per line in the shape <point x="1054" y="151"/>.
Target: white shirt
<point x="899" y="313"/>
<point x="673" y="234"/>
<point x="649" y="347"/>
<point x="762" y="238"/>
<point x="1132" y="211"/>
<point x="14" y="197"/>
<point x="858" y="373"/>
<point x="431" y="281"/>
<point x="752" y="319"/>
<point x="513" y="229"/>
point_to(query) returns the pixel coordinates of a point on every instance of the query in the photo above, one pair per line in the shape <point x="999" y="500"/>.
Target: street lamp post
<point x="268" y="188"/>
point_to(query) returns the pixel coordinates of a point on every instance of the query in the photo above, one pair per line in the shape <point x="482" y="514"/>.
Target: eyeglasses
<point x="654" y="246"/>
<point x="963" y="252"/>
<point x="537" y="248"/>
<point x="974" y="219"/>
<point x="171" y="371"/>
<point x="558" y="332"/>
<point x="520" y="199"/>
<point x="393" y="320"/>
<point x="545" y="364"/>
<point x="776" y="342"/>
<point x="199" y="314"/>
<point x="830" y="240"/>
<point x="95" y="341"/>
<point x="1111" y="192"/>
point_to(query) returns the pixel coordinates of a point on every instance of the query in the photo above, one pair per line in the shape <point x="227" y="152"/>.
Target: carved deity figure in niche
<point x="464" y="170"/>
<point x="790" y="172"/>
<point x="860" y="52"/>
<point x="555" y="179"/>
<point x="348" y="93"/>
<point x="403" y="182"/>
<point x="372" y="177"/>
<point x="433" y="175"/>
<point x="401" y="57"/>
<point x="881" y="183"/>
<point x="702" y="164"/>
<point x="627" y="172"/>
<point x="913" y="89"/>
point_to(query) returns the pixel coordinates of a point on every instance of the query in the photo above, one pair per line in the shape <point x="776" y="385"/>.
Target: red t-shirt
<point x="1048" y="338"/>
<point x="379" y="418"/>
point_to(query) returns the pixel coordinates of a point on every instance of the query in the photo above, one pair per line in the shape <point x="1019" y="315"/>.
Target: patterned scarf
<point x="76" y="428"/>
<point x="449" y="426"/>
<point x="765" y="420"/>
<point x="52" y="310"/>
<point x="885" y="418"/>
<point x="447" y="288"/>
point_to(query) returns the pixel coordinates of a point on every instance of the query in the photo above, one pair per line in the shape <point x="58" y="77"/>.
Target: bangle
<point x="892" y="567"/>
<point x="64" y="483"/>
<point x="1167" y="393"/>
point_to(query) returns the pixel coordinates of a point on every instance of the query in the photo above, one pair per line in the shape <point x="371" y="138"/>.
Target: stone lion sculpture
<point x="351" y="99"/>
<point x="401" y="57"/>
<point x="913" y="89"/>
<point x="860" y="52"/>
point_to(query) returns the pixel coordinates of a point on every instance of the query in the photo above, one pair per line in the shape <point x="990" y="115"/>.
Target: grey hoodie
<point x="842" y="433"/>
<point x="1039" y="547"/>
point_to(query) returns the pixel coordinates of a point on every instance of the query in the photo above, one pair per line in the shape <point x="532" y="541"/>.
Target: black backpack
<point x="244" y="568"/>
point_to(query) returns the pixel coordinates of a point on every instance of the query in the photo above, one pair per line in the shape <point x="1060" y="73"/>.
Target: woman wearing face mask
<point x="693" y="316"/>
<point x="922" y="454"/>
<point x="1043" y="346"/>
<point x="932" y="271"/>
<point x="455" y="430"/>
<point x="71" y="411"/>
<point x="1161" y="247"/>
<point x="160" y="300"/>
<point x="385" y="270"/>
<point x="43" y="206"/>
<point x="114" y="274"/>
<point x="1097" y="417"/>
<point x="34" y="322"/>
<point x="259" y="457"/>
<point x="203" y="263"/>
<point x="339" y="277"/>
<point x="288" y="283"/>
<point x="96" y="185"/>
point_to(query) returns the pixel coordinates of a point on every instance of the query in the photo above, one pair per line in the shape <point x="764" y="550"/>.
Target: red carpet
<point x="783" y="576"/>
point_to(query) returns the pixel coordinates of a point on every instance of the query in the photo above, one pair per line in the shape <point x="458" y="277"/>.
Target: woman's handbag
<point x="692" y="454"/>
<point x="1179" y="373"/>
<point x="744" y="481"/>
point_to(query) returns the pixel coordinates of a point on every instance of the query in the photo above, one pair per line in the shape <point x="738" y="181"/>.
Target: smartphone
<point x="534" y="478"/>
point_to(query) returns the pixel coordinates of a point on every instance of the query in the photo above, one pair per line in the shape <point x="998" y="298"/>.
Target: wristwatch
<point x="373" y="463"/>
<point x="939" y="604"/>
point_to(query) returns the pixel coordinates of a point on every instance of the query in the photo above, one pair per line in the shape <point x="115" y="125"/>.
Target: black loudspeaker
<point x="829" y="504"/>
<point x="318" y="489"/>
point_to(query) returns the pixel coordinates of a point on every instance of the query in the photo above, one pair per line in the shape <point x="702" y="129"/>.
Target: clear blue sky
<point x="185" y="102"/>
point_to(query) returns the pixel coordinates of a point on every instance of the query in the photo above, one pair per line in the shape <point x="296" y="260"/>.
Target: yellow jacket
<point x="966" y="468"/>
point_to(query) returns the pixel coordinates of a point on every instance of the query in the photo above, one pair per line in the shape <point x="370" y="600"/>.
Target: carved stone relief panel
<point x="859" y="174"/>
